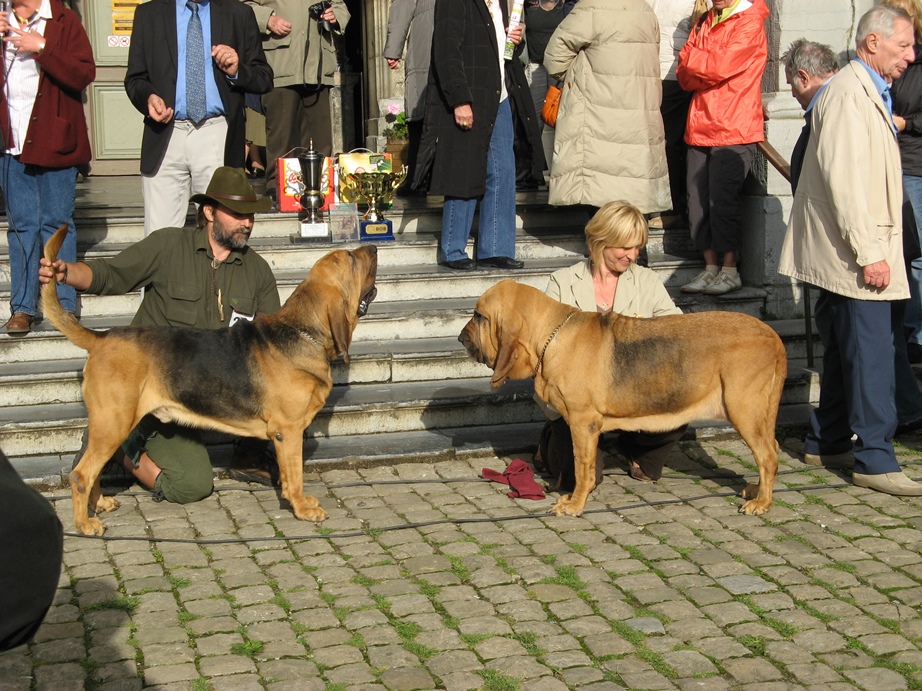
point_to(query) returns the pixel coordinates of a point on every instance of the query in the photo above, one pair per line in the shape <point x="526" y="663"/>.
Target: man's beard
<point x="229" y="236"/>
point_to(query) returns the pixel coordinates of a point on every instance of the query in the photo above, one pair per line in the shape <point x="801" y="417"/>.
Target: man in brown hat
<point x="208" y="278"/>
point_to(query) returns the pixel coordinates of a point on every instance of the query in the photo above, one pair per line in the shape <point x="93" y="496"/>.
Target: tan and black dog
<point x="267" y="378"/>
<point x="614" y="372"/>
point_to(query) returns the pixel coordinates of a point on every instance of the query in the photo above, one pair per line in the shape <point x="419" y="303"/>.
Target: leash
<point x="548" y="342"/>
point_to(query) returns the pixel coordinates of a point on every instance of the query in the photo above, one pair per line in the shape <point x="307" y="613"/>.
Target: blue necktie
<point x="195" y="67"/>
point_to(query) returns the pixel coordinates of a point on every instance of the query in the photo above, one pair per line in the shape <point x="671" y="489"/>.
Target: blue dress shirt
<point x="213" y="103"/>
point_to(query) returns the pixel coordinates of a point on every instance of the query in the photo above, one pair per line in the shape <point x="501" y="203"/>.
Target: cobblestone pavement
<point x="657" y="586"/>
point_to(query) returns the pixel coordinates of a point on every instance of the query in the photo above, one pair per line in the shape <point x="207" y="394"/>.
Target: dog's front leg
<point x="585" y="448"/>
<point x="288" y="447"/>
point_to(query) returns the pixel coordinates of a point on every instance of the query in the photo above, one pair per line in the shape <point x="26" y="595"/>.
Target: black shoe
<point x="502" y="263"/>
<point x="254" y="462"/>
<point x="914" y="352"/>
<point x="466" y="264"/>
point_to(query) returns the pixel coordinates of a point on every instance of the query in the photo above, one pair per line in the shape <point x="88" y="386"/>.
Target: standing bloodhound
<point x="614" y="372"/>
<point x="267" y="378"/>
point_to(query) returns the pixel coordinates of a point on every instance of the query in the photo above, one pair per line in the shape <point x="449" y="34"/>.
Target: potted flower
<point x="397" y="133"/>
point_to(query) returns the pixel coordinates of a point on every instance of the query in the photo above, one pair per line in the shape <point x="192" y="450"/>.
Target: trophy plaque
<point x="313" y="222"/>
<point x="377" y="189"/>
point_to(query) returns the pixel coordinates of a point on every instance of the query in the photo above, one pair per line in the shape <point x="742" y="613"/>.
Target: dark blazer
<point x="152" y="69"/>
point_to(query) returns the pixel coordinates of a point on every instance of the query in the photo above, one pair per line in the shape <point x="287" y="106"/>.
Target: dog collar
<point x="311" y="339"/>
<point x="548" y="342"/>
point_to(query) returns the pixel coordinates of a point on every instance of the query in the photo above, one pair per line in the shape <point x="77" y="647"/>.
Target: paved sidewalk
<point x="657" y="586"/>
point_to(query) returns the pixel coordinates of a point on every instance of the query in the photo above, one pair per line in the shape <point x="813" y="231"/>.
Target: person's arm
<point x="138" y="84"/>
<point x="701" y="69"/>
<point x="64" y="53"/>
<point x="253" y="75"/>
<point x="338" y="15"/>
<point x="399" y="18"/>
<point x="571" y="36"/>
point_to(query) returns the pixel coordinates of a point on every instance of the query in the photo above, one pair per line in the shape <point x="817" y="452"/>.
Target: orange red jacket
<point x="723" y="66"/>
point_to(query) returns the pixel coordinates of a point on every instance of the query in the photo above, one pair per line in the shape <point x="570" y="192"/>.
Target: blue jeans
<point x="496" y="237"/>
<point x="38" y="201"/>
<point x="912" y="185"/>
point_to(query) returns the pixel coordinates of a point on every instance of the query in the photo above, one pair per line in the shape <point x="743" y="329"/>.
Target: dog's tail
<point x="63" y="321"/>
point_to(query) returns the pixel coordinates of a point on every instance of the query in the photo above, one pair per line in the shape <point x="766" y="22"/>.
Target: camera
<point x="316" y="12"/>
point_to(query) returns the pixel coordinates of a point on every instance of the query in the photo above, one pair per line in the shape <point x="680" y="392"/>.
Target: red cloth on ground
<point x="520" y="477"/>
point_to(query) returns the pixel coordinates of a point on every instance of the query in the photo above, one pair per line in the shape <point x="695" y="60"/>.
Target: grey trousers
<point x="296" y="116"/>
<point x="715" y="184"/>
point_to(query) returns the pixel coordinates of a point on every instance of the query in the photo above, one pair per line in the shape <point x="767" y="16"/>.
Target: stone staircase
<point x="409" y="391"/>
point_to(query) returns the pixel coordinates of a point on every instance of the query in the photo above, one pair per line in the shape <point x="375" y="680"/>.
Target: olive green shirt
<point x="174" y="266"/>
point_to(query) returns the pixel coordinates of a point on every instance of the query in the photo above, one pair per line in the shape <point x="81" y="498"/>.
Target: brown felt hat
<point x="229" y="187"/>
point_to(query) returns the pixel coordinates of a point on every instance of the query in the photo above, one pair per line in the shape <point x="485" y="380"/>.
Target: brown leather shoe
<point x="19" y="323"/>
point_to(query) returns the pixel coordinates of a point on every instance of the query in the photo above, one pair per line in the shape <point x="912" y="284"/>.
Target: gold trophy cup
<point x="377" y="189"/>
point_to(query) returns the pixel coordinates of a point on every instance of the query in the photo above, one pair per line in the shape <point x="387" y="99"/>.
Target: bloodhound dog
<point x="614" y="372"/>
<point x="267" y="378"/>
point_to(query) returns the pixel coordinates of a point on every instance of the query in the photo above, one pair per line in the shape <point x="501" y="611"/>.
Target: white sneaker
<point x="723" y="284"/>
<point x="701" y="281"/>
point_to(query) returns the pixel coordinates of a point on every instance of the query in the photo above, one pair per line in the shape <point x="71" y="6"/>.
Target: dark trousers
<point x="674" y="110"/>
<point x="856" y="389"/>
<point x="650" y="449"/>
<point x="296" y="116"/>
<point x="715" y="185"/>
<point x="907" y="396"/>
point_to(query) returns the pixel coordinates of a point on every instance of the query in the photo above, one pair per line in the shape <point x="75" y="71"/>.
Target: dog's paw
<point x="750" y="491"/>
<point x="755" y="507"/>
<point x="106" y="504"/>
<point x="91" y="526"/>
<point x="315" y="514"/>
<point x="566" y="507"/>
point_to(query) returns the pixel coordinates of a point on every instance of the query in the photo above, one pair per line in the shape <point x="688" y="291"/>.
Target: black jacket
<point x="464" y="69"/>
<point x="907" y="102"/>
<point x="152" y="69"/>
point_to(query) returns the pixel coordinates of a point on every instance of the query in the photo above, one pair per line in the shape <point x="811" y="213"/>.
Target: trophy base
<point x="314" y="230"/>
<point x="376" y="231"/>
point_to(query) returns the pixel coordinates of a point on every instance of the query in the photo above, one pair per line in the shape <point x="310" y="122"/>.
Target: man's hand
<point x="329" y="15"/>
<point x="49" y="272"/>
<point x="515" y="35"/>
<point x="877" y="275"/>
<point x="278" y="26"/>
<point x="464" y="116"/>
<point x="226" y="59"/>
<point x="157" y="109"/>
<point x="392" y="63"/>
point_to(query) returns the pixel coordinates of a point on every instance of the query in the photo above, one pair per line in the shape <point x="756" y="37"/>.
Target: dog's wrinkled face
<point x="491" y="336"/>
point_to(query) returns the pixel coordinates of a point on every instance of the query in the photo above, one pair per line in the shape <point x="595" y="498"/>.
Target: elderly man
<point x="808" y="67"/>
<point x="844" y="238"/>
<point x="207" y="278"/>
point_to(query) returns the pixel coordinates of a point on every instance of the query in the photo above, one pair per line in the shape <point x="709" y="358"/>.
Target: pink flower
<point x="393" y="108"/>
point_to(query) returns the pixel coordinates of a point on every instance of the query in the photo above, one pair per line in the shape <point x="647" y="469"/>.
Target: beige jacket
<point x="305" y="55"/>
<point x="609" y="142"/>
<point x="640" y="291"/>
<point x="847" y="210"/>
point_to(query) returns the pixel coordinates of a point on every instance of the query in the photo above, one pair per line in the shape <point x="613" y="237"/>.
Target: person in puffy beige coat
<point x="609" y="141"/>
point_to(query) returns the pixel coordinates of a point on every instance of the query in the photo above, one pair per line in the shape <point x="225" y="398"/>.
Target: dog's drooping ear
<point x="506" y="358"/>
<point x="341" y="330"/>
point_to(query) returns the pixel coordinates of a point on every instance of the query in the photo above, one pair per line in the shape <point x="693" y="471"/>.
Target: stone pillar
<point x="381" y="82"/>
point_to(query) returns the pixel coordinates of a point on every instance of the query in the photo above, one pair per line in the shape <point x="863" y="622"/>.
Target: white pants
<point x="191" y="158"/>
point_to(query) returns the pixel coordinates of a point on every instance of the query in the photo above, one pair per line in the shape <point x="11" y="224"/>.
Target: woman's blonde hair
<point x="617" y="224"/>
<point x="911" y="7"/>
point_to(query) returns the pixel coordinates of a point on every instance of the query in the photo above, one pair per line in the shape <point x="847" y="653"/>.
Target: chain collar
<point x="548" y="342"/>
<point x="311" y="339"/>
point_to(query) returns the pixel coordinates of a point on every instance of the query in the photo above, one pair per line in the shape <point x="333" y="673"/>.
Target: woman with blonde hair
<point x="907" y="116"/>
<point x="610" y="280"/>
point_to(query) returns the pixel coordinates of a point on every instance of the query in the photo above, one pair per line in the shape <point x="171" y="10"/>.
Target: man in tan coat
<point x="300" y="39"/>
<point x="844" y="238"/>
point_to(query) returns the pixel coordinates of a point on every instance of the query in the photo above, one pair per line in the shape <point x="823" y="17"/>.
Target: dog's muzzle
<point x="366" y="301"/>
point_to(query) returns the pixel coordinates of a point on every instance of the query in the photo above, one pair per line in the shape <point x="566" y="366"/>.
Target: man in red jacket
<point x="48" y="62"/>
<point x="722" y="64"/>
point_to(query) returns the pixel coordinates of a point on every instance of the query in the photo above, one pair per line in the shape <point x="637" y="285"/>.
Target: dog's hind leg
<point x="104" y="440"/>
<point x="754" y="418"/>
